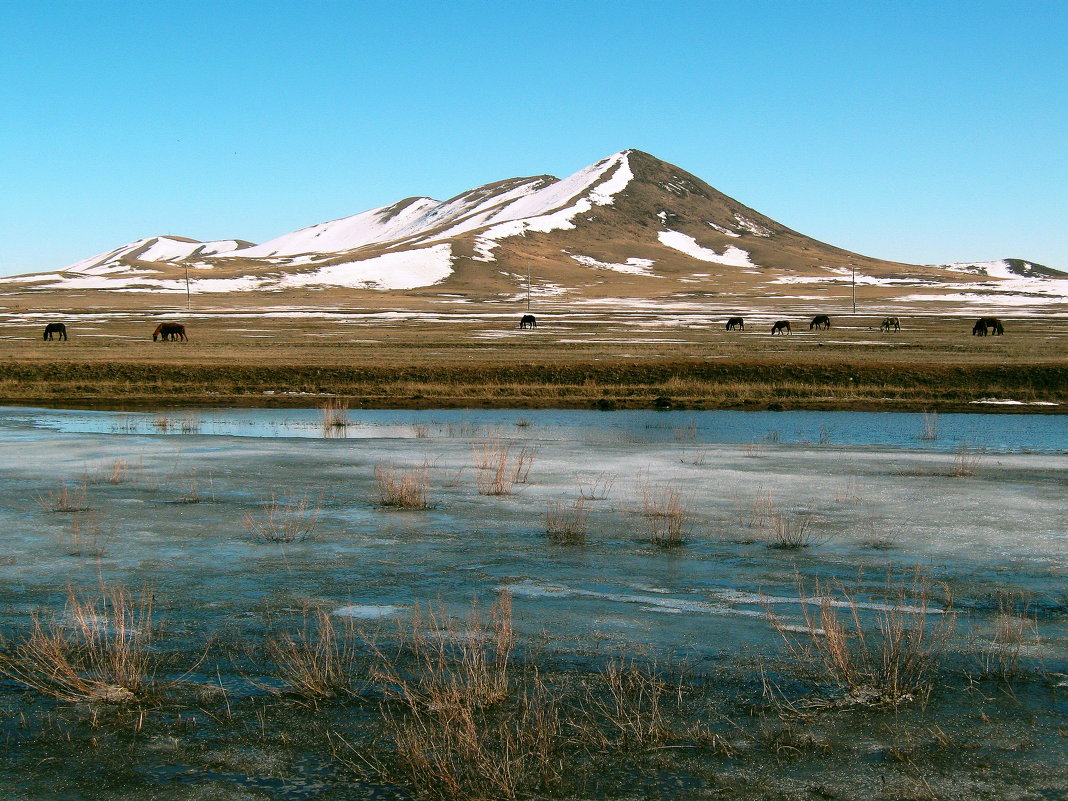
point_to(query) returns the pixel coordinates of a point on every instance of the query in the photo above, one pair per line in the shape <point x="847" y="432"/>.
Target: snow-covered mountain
<point x="628" y="224"/>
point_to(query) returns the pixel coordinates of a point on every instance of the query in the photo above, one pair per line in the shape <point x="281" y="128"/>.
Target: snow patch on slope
<point x="632" y="266"/>
<point x="405" y="269"/>
<point x="154" y="248"/>
<point x="735" y="257"/>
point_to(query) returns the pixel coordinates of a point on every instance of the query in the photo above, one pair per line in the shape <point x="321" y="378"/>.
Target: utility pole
<point x="854" y="288"/>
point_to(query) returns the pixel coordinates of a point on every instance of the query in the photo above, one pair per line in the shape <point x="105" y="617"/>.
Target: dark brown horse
<point x="528" y="321"/>
<point x="736" y="322"/>
<point x="55" y="328"/>
<point x="820" y="321"/>
<point x="988" y="325"/>
<point x="170" y="332"/>
<point x="781" y="327"/>
<point x="890" y="323"/>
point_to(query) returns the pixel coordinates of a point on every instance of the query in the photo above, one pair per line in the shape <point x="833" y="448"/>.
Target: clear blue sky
<point x="922" y="132"/>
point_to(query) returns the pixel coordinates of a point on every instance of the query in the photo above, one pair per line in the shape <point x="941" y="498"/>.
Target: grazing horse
<point x="820" y="321"/>
<point x="781" y="327"/>
<point x="55" y="328"/>
<point x="979" y="329"/>
<point x="528" y="321"/>
<point x="736" y="322"/>
<point x="890" y="322"/>
<point x="170" y="332"/>
<point x="993" y="326"/>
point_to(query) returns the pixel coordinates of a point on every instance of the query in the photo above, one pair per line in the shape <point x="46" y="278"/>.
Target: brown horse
<point x="170" y="332"/>
<point x="55" y="328"/>
<point x="781" y="327"/>
<point x="820" y="321"/>
<point x="890" y="323"/>
<point x="736" y="322"/>
<point x="528" y="321"/>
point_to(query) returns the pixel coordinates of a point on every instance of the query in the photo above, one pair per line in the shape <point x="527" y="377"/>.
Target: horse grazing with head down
<point x="736" y="322"/>
<point x="528" y="321"/>
<point x="890" y="323"/>
<point x="55" y="328"/>
<point x="781" y="327"/>
<point x="993" y="326"/>
<point x="820" y="321"/>
<point x="170" y="332"/>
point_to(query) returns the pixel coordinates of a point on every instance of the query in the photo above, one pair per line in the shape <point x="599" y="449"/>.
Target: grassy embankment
<point x="755" y="384"/>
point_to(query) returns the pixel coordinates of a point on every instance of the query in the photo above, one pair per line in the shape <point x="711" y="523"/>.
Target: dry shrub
<point x="760" y="510"/>
<point x="99" y="649"/>
<point x="1015" y="629"/>
<point x="597" y="488"/>
<point x="929" y="430"/>
<point x="87" y="535"/>
<point x="626" y="707"/>
<point x="753" y="450"/>
<point x="790" y="532"/>
<point x="282" y="521"/>
<point x="318" y="661"/>
<point x="335" y="417"/>
<point x="458" y="729"/>
<point x="65" y="499"/>
<point x="568" y="525"/>
<point x="421" y="430"/>
<point x="407" y="489"/>
<point x="664" y="513"/>
<point x="891" y="661"/>
<point x="966" y="461"/>
<point x="498" y="469"/>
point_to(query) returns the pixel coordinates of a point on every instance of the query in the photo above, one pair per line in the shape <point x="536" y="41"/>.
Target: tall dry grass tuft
<point x="596" y="488"/>
<point x="499" y="467"/>
<point x="65" y="499"/>
<point x="319" y="661"/>
<point x="966" y="460"/>
<point x="627" y="708"/>
<point x="929" y="431"/>
<point x="568" y="525"/>
<point x="406" y="489"/>
<point x="1014" y="631"/>
<point x="877" y="654"/>
<point x="664" y="514"/>
<point x="283" y="521"/>
<point x="87" y="535"/>
<point x="458" y="729"/>
<point x="790" y="532"/>
<point x="335" y="417"/>
<point x="99" y="649"/>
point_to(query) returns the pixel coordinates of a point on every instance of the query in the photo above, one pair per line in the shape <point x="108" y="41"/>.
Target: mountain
<point x="628" y="225"/>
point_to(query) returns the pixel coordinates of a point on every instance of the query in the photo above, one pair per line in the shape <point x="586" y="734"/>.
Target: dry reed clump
<point x="1014" y="631"/>
<point x="282" y="521"/>
<point x="458" y="729"/>
<point x="625" y="708"/>
<point x="597" y="488"/>
<point x="966" y="460"/>
<point x="498" y="469"/>
<point x="568" y="525"/>
<point x="790" y="532"/>
<point x="405" y="489"/>
<point x="318" y="661"/>
<point x="87" y="535"/>
<point x="65" y="499"/>
<point x="929" y="430"/>
<point x="666" y="520"/>
<point x="876" y="654"/>
<point x="187" y="423"/>
<point x="335" y="417"/>
<point x="99" y="649"/>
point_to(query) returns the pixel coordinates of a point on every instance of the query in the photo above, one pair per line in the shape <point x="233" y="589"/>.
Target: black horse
<point x="55" y="328"/>
<point x="736" y="322"/>
<point x="890" y="323"/>
<point x="170" y="332"/>
<point x="820" y="321"/>
<point x="528" y="321"/>
<point x="988" y="325"/>
<point x="781" y="327"/>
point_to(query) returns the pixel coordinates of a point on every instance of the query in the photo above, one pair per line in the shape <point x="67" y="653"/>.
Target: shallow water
<point x="879" y="501"/>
